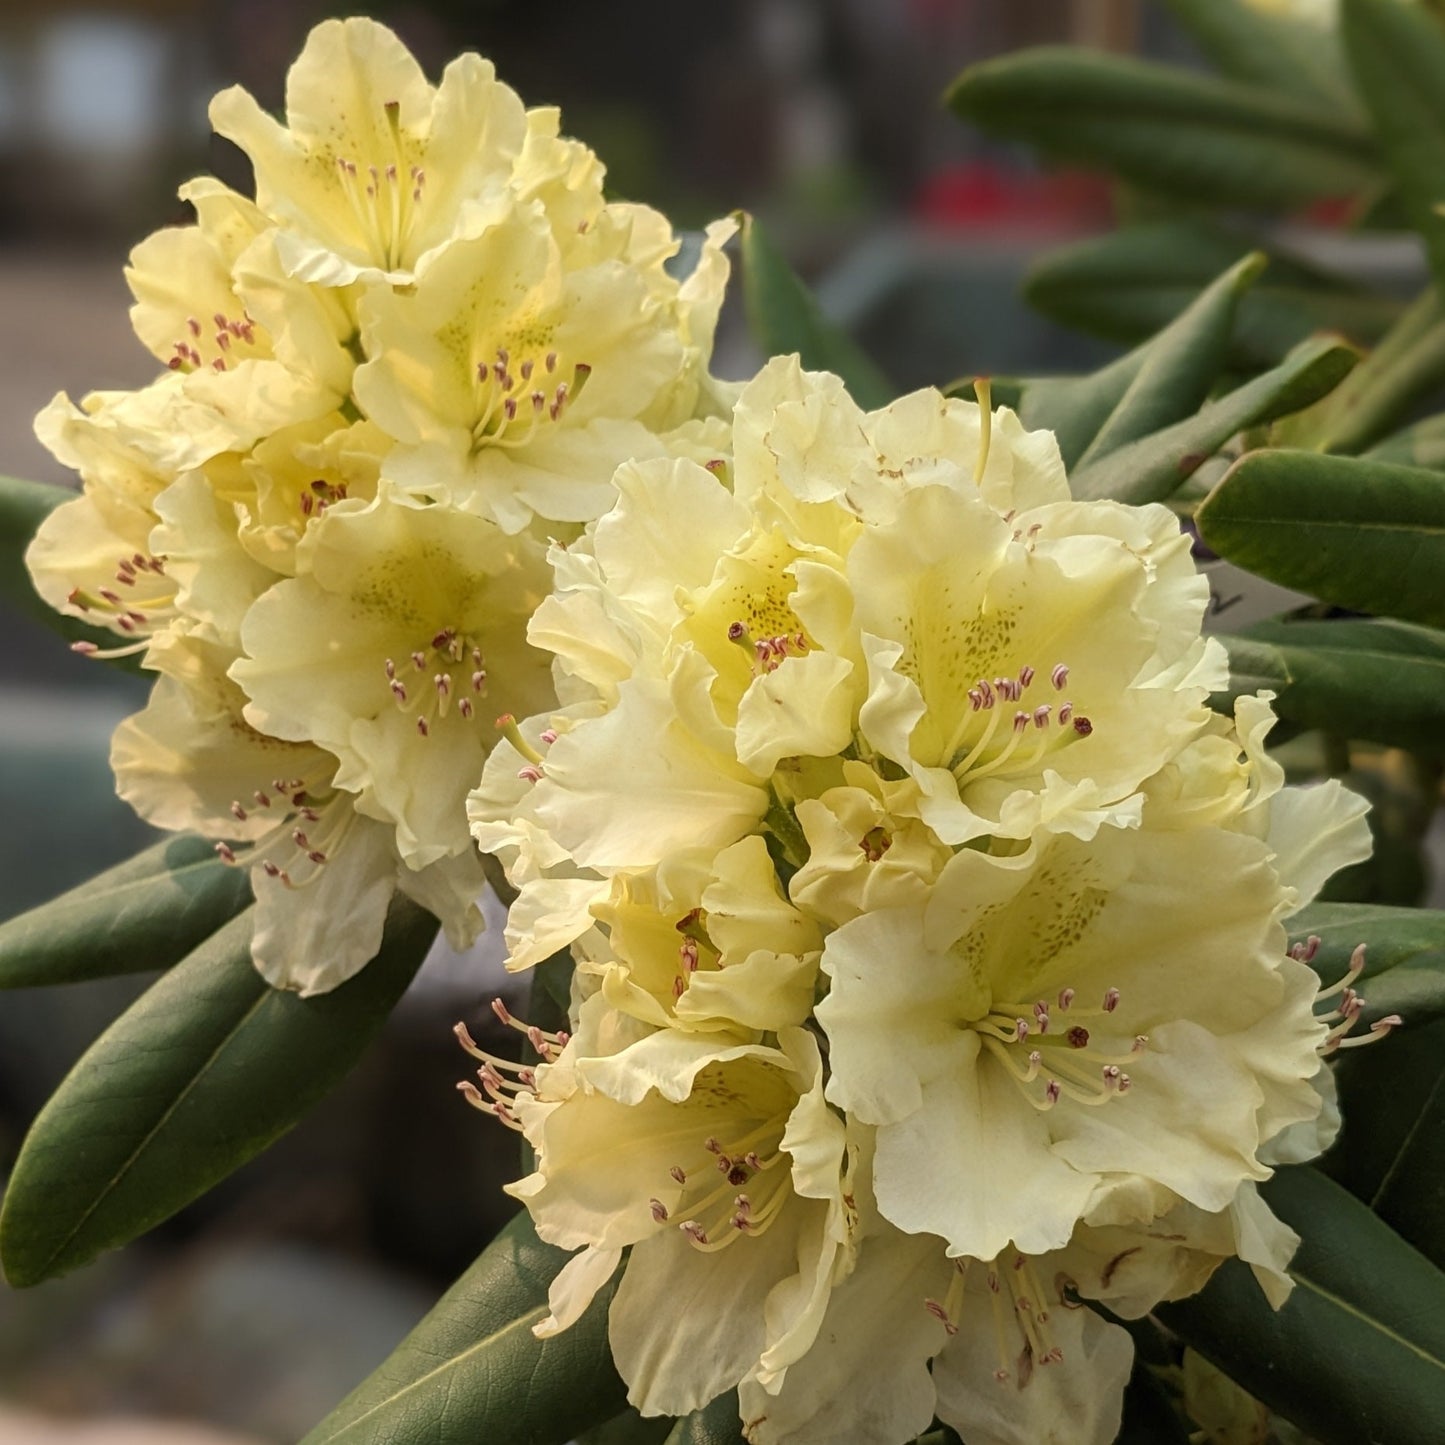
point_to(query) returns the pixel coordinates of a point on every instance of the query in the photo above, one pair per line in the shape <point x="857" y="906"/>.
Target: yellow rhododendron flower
<point x="390" y="380"/>
<point x="395" y="648"/>
<point x="884" y="593"/>
<point x="720" y="1169"/>
<point x="323" y="873"/>
<point x="893" y="745"/>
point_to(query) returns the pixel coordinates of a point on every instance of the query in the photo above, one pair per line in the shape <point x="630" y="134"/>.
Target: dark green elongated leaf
<point x="472" y="1371"/>
<point x="1357" y="678"/>
<point x="1391" y="1152"/>
<point x="1357" y="1354"/>
<point x="1157" y="383"/>
<point x="1408" y="364"/>
<point x="1421" y="445"/>
<point x="1152" y="468"/>
<point x="628" y="1428"/>
<point x="1251" y="44"/>
<point x="1183" y="362"/>
<point x="1356" y="533"/>
<point x="145" y="913"/>
<point x="23" y="507"/>
<point x="784" y="316"/>
<point x="1210" y="141"/>
<point x="200" y="1074"/>
<point x="1126" y="285"/>
<point x="1404" y="956"/>
<point x="1397" y="53"/>
<point x="715" y="1424"/>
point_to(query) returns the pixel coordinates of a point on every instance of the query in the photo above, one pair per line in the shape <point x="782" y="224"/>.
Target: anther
<point x="1111" y="1000"/>
<point x="659" y="1210"/>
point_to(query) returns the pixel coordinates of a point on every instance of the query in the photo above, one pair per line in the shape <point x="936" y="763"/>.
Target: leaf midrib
<point x="1406" y="1142"/>
<point x="532" y="1316"/>
<point x="1405" y="529"/>
<point x="129" y="1163"/>
<point x="1369" y="1320"/>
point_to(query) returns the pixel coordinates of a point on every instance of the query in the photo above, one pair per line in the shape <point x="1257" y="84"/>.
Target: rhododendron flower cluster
<point x="390" y="379"/>
<point x="931" y="980"/>
<point x="874" y="813"/>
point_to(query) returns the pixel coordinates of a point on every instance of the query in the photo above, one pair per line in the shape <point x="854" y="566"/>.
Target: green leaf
<point x="1404" y="958"/>
<point x="23" y="507"/>
<point x="1407" y="365"/>
<point x="1397" y="52"/>
<point x="1163" y="380"/>
<point x="143" y="914"/>
<point x="1356" y="678"/>
<point x="628" y="1428"/>
<point x="1421" y="445"/>
<point x="717" y="1423"/>
<point x="784" y="317"/>
<point x="1357" y="1354"/>
<point x="472" y="1371"/>
<point x="200" y="1074"/>
<point x="1152" y="468"/>
<point x="1251" y="44"/>
<point x="1391" y="1153"/>
<point x="1355" y="533"/>
<point x="1126" y="285"/>
<point x="1210" y="141"/>
<point x="1181" y="365"/>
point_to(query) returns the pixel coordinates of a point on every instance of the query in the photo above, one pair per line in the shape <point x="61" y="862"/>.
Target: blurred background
<point x="248" y="1316"/>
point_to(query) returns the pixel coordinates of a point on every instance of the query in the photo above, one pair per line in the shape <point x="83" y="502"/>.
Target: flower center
<point x="767" y="654"/>
<point x="232" y="340"/>
<point x="1048" y="1041"/>
<point x="385" y="199"/>
<point x="752" y="1191"/>
<point x="984" y="744"/>
<point x="513" y="401"/>
<point x="320" y="494"/>
<point x="457" y="673"/>
<point x="695" y="949"/>
<point x="139" y="609"/>
<point x="1020" y="1308"/>
<point x="308" y="821"/>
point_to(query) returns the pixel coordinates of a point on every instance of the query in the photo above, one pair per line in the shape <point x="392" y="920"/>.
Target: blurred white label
<point x="1238" y="598"/>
